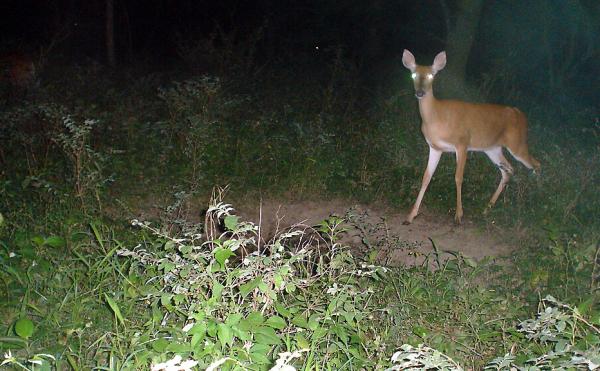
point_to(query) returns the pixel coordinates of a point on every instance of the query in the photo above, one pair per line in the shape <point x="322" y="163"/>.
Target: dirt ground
<point x="381" y="229"/>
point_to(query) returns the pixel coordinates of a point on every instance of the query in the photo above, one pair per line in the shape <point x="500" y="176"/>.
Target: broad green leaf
<point x="196" y="339"/>
<point x="255" y="319"/>
<point x="231" y="222"/>
<point x="38" y="240"/>
<point x="302" y="342"/>
<point x="165" y="299"/>
<point x="28" y="253"/>
<point x="73" y="362"/>
<point x="278" y="280"/>
<point x="281" y="309"/>
<point x="244" y="325"/>
<point x="178" y="299"/>
<point x="55" y="241"/>
<point x="266" y="335"/>
<point x="185" y="249"/>
<point x="319" y="333"/>
<point x="160" y="345"/>
<point x="300" y="321"/>
<point x="115" y="308"/>
<point x="251" y="322"/>
<point x="234" y="319"/>
<point x="222" y="254"/>
<point x="341" y="334"/>
<point x="248" y="287"/>
<point x="177" y="347"/>
<point x="224" y="334"/>
<point x="262" y="286"/>
<point x="166" y="266"/>
<point x="313" y="321"/>
<point x="259" y="358"/>
<point x="199" y="328"/>
<point x="259" y="352"/>
<point x="276" y="322"/>
<point x="211" y="330"/>
<point x="217" y="290"/>
<point x="260" y="348"/>
<point x="290" y="288"/>
<point x="561" y="345"/>
<point x="185" y="272"/>
<point x="372" y="256"/>
<point x="332" y="305"/>
<point x="356" y="339"/>
<point x="169" y="245"/>
<point x="24" y="327"/>
<point x="349" y="317"/>
<point x="241" y="334"/>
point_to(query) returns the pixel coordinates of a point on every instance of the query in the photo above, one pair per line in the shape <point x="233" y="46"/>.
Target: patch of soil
<point x="380" y="228"/>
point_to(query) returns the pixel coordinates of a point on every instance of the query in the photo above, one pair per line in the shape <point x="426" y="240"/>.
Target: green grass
<point x="67" y="192"/>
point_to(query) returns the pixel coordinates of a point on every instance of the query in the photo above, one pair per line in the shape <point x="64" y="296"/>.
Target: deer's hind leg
<point x="522" y="154"/>
<point x="515" y="142"/>
<point x="497" y="157"/>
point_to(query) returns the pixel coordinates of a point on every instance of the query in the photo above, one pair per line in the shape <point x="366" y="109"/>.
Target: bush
<point x="238" y="300"/>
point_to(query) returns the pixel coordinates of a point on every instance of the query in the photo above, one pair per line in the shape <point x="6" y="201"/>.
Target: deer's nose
<point x="420" y="94"/>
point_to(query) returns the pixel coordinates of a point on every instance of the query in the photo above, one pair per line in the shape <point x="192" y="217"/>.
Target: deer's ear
<point x="439" y="62"/>
<point x="408" y="60"/>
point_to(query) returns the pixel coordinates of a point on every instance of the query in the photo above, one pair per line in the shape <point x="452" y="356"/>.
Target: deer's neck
<point x="428" y="108"/>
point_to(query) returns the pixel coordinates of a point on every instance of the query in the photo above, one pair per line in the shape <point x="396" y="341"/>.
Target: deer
<point x="458" y="127"/>
<point x="19" y="71"/>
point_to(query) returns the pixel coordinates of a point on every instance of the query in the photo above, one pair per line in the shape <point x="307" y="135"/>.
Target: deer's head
<point x="423" y="76"/>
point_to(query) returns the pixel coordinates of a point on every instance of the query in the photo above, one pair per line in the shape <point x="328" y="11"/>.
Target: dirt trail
<point x="399" y="243"/>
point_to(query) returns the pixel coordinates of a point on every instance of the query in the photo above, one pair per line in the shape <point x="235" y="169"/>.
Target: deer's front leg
<point x="434" y="159"/>
<point x="461" y="160"/>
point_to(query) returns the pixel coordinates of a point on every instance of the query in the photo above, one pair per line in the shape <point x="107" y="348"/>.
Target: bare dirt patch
<point x="380" y="228"/>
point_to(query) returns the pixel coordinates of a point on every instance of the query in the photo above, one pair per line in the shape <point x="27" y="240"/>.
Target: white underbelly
<point x="449" y="147"/>
<point x="442" y="146"/>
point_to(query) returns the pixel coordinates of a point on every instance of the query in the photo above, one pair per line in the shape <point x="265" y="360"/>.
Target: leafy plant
<point x="86" y="163"/>
<point x="422" y="358"/>
<point x="234" y="296"/>
<point x="559" y="338"/>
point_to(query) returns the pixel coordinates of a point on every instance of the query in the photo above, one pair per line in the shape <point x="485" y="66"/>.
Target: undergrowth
<point x="84" y="289"/>
<point x="216" y="295"/>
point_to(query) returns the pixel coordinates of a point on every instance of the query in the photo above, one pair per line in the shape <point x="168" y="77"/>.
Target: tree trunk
<point x="110" y="34"/>
<point x="459" y="41"/>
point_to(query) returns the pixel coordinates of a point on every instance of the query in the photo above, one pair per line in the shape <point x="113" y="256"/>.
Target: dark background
<point x="549" y="48"/>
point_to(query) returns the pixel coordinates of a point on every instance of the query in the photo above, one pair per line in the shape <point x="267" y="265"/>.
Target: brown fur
<point x="456" y="126"/>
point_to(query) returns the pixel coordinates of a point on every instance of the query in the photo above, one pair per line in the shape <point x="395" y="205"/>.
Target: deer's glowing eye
<point x="430" y="76"/>
<point x="414" y="75"/>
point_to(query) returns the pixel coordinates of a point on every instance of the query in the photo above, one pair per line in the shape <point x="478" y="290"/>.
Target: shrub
<point x="240" y="300"/>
